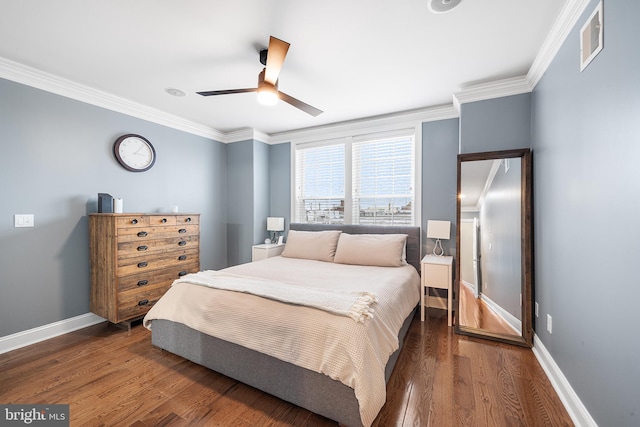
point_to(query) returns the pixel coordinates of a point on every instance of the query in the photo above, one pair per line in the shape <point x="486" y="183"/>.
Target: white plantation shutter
<point x="364" y="179"/>
<point x="320" y="184"/>
<point x="383" y="181"/>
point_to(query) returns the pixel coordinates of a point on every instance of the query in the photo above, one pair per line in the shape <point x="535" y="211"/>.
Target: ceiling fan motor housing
<point x="263" y="56"/>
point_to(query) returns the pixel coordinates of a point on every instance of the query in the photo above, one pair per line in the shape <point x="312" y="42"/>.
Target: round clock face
<point x="134" y="152"/>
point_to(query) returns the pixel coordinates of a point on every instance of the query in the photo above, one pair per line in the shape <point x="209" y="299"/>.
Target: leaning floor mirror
<point x="493" y="286"/>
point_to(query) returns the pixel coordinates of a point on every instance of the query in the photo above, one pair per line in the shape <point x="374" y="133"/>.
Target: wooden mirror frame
<point x="526" y="236"/>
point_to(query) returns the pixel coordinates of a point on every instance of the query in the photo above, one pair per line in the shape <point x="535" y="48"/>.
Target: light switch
<point x="23" y="220"/>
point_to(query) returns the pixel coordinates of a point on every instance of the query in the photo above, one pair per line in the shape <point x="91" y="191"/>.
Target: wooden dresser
<point x="135" y="258"/>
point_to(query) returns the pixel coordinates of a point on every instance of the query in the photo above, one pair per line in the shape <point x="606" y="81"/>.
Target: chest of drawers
<point x="135" y="258"/>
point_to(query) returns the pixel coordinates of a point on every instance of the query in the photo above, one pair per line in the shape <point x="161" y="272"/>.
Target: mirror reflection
<point x="490" y="255"/>
<point x="494" y="262"/>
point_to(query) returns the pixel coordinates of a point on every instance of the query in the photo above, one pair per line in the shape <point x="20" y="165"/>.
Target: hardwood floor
<point x="475" y="313"/>
<point x="113" y="377"/>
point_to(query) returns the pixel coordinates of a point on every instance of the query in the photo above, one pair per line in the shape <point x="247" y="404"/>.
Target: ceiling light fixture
<point x="442" y="6"/>
<point x="267" y="92"/>
<point x="174" y="91"/>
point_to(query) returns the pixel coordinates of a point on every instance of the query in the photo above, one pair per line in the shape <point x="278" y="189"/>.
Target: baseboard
<point x="577" y="411"/>
<point x="41" y="333"/>
<point x="473" y="288"/>
<point x="512" y="320"/>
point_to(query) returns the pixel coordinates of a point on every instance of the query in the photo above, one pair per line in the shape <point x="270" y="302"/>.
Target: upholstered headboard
<point x="413" y="233"/>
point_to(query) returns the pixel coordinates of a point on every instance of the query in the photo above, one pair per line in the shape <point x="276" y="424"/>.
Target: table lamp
<point x="438" y="230"/>
<point x="275" y="225"/>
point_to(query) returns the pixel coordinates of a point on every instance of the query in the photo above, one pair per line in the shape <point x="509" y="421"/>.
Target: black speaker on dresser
<point x="105" y="203"/>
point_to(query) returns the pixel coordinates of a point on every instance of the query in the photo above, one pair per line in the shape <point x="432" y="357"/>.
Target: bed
<point x="330" y="361"/>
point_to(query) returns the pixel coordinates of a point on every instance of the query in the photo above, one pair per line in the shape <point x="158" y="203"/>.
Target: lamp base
<point x="437" y="246"/>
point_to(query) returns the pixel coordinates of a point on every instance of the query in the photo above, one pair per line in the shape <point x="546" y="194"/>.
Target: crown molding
<point x="491" y="90"/>
<point x="368" y="124"/>
<point x="244" y="135"/>
<point x="565" y="22"/>
<point x="38" y="79"/>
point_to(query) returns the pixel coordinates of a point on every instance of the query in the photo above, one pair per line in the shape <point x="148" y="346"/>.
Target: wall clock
<point x="134" y="152"/>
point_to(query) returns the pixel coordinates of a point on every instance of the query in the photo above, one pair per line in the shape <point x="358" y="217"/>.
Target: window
<point x="367" y="179"/>
<point x="382" y="181"/>
<point x="319" y="178"/>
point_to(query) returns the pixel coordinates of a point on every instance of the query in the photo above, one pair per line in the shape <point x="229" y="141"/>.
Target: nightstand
<point x="436" y="273"/>
<point x="266" y="250"/>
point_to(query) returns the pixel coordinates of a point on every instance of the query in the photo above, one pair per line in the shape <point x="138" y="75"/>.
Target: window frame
<point x="358" y="135"/>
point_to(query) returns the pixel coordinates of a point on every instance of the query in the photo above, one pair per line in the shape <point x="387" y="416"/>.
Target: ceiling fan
<point x="272" y="58"/>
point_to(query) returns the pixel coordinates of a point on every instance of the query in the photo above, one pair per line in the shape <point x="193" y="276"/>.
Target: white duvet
<point x="350" y="352"/>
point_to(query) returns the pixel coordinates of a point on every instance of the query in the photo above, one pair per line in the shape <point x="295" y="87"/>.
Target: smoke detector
<point x="442" y="6"/>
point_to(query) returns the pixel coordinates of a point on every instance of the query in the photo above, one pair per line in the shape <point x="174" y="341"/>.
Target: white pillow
<point x="316" y="245"/>
<point x="383" y="250"/>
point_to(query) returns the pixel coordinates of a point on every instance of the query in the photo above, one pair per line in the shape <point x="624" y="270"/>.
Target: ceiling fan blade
<point x="299" y="104"/>
<point x="226" y="92"/>
<point x="277" y="51"/>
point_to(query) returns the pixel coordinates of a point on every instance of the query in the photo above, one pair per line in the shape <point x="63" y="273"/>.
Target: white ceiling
<point x="353" y="59"/>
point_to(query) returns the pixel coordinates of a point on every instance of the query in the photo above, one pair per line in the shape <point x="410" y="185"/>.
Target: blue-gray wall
<point x="56" y="154"/>
<point x="248" y="198"/>
<point x="439" y="179"/>
<point x="261" y="191"/>
<point x="586" y="146"/>
<point x="496" y="124"/>
<point x="280" y="182"/>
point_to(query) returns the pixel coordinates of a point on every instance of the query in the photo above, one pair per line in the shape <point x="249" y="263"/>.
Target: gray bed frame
<point x="310" y="390"/>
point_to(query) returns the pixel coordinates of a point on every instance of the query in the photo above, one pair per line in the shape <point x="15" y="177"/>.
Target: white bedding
<point x="352" y="353"/>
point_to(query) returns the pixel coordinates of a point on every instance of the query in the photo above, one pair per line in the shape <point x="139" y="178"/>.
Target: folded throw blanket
<point x="357" y="305"/>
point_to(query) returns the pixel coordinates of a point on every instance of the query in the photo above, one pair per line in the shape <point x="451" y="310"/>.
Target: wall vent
<point x="591" y="37"/>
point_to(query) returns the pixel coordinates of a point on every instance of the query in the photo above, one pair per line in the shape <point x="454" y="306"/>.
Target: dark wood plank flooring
<point x="475" y="313"/>
<point x="114" y="377"/>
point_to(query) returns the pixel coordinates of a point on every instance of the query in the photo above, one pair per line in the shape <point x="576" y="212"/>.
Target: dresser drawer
<point x="188" y="219"/>
<point x="158" y="232"/>
<point x="146" y="280"/>
<point x="132" y="221"/>
<point x="137" y="303"/>
<point x="150" y="262"/>
<point x="162" y="220"/>
<point x="436" y="276"/>
<point x="136" y="248"/>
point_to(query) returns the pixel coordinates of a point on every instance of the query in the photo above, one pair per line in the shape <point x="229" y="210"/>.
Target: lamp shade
<point x="438" y="229"/>
<point x="275" y="224"/>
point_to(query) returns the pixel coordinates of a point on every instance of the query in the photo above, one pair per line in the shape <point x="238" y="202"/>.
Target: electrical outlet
<point x="486" y="285"/>
<point x="537" y="309"/>
<point x="549" y="324"/>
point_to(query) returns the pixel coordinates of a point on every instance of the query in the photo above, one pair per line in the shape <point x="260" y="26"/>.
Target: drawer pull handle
<point x="182" y="257"/>
<point x="134" y="221"/>
<point x="182" y="243"/>
<point x="142" y="264"/>
<point x="182" y="230"/>
<point x="143" y="248"/>
<point x="188" y="219"/>
<point x="182" y="273"/>
<point x="163" y="220"/>
<point x="143" y="282"/>
<point x="142" y="234"/>
<point x="143" y="302"/>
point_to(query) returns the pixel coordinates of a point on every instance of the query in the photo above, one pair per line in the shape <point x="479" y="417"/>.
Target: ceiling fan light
<point x="267" y="95"/>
